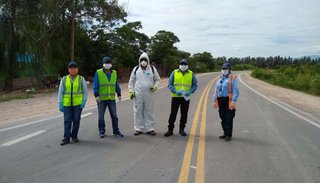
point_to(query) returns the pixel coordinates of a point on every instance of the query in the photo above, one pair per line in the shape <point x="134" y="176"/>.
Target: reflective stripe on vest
<point x="230" y="91"/>
<point x="107" y="89"/>
<point x="73" y="89"/>
<point x="182" y="82"/>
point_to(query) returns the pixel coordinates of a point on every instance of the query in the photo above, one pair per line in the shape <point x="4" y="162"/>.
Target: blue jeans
<point x="111" y="104"/>
<point x="72" y="116"/>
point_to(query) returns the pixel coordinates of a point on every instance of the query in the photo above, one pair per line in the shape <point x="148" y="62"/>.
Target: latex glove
<point x="61" y="107"/>
<point x="98" y="100"/>
<point x="188" y="94"/>
<point x="153" y="88"/>
<point x="119" y="98"/>
<point x="83" y="104"/>
<point x="178" y="93"/>
<point x="132" y="95"/>
<point x="233" y="105"/>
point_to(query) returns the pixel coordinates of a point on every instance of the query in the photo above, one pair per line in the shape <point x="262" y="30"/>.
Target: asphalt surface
<point x="270" y="144"/>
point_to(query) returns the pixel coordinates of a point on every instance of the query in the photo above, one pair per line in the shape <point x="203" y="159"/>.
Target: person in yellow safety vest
<point x="105" y="88"/>
<point x="143" y="83"/>
<point x="72" y="98"/>
<point x="182" y="83"/>
<point x="225" y="97"/>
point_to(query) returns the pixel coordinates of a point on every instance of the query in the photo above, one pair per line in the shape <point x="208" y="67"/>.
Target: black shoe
<point x="228" y="138"/>
<point x="75" y="140"/>
<point x="101" y="135"/>
<point x="137" y="133"/>
<point x="152" y="132"/>
<point x="64" y="142"/>
<point x="118" y="134"/>
<point x="182" y="133"/>
<point x="168" y="133"/>
<point x="222" y="137"/>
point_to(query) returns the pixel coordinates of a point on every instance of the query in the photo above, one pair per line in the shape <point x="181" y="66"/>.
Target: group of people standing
<point x="144" y="81"/>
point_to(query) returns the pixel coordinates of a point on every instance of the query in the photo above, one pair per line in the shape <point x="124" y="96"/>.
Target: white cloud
<point x="234" y="27"/>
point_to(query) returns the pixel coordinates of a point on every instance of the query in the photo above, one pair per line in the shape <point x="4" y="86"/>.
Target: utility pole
<point x="72" y="29"/>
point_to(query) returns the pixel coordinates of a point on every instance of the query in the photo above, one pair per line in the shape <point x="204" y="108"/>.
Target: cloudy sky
<point x="234" y="27"/>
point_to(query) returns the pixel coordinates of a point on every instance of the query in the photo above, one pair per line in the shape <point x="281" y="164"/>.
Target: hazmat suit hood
<point x="144" y="55"/>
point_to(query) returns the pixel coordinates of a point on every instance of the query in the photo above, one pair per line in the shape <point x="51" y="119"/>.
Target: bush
<point x="305" y="78"/>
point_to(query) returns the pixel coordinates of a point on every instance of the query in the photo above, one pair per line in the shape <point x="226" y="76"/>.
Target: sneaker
<point x="228" y="138"/>
<point x="64" y="142"/>
<point x="101" y="135"/>
<point x="75" y="140"/>
<point x="118" y="134"/>
<point x="168" y="133"/>
<point x="152" y="132"/>
<point x="137" y="133"/>
<point x="222" y="137"/>
<point x="182" y="133"/>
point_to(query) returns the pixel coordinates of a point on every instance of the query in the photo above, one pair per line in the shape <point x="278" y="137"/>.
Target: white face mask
<point x="225" y="72"/>
<point x="183" y="67"/>
<point x="107" y="66"/>
<point x="144" y="63"/>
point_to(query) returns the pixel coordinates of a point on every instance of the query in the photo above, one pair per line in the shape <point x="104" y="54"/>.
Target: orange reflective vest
<point x="232" y="76"/>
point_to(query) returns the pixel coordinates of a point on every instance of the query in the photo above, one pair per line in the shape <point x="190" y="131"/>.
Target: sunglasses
<point x="143" y="59"/>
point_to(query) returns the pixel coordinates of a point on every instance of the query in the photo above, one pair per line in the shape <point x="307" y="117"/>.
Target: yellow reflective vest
<point x="182" y="82"/>
<point x="72" y="95"/>
<point x="107" y="89"/>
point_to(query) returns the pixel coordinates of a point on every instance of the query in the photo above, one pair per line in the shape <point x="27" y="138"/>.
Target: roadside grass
<point x="302" y="77"/>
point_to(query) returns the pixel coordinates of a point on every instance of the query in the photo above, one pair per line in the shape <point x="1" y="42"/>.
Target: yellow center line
<point x="201" y="147"/>
<point x="184" y="173"/>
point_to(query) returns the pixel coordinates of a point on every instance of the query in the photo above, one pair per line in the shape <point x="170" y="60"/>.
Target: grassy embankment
<point x="301" y="77"/>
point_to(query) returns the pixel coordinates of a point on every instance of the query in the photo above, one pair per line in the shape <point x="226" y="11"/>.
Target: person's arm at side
<point x="96" y="84"/>
<point x="118" y="89"/>
<point x="132" y="80"/>
<point x="170" y="83"/>
<point x="194" y="85"/>
<point x="157" y="78"/>
<point x="60" y="95"/>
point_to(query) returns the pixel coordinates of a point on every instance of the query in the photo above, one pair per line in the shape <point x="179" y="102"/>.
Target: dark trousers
<point x="177" y="102"/>
<point x="226" y="115"/>
<point x="72" y="116"/>
<point x="102" y="106"/>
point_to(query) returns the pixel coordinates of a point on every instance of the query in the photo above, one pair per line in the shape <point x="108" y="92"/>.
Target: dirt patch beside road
<point x="302" y="101"/>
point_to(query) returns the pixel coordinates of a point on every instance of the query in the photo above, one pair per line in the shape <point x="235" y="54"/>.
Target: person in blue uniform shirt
<point x="225" y="98"/>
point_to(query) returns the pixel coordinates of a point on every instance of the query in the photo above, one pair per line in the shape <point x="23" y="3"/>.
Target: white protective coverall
<point x="140" y="83"/>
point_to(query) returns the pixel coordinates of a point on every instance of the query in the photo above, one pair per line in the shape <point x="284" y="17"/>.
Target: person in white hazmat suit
<point x="143" y="83"/>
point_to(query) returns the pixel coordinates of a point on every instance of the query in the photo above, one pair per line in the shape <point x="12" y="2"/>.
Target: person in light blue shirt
<point x="225" y="97"/>
<point x="72" y="98"/>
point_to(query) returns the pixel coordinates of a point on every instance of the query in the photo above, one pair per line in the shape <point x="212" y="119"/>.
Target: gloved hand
<point x="119" y="98"/>
<point x="83" y="104"/>
<point x="61" y="107"/>
<point x="98" y="100"/>
<point x="132" y="95"/>
<point x="153" y="88"/>
<point x="233" y="105"/>
<point x="178" y="93"/>
<point x="188" y="94"/>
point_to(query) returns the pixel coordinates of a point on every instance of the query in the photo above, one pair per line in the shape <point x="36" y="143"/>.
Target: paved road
<point x="270" y="144"/>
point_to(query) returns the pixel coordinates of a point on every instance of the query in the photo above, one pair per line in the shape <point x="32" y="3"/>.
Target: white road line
<point x="23" y="138"/>
<point x="85" y="115"/>
<point x="283" y="107"/>
<point x="27" y="124"/>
